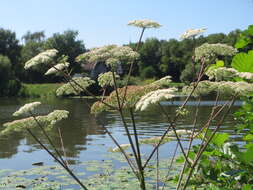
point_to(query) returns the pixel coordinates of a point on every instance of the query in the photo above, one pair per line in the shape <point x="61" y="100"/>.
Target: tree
<point x="9" y="46"/>
<point x="8" y="85"/>
<point x="150" y="56"/>
<point x="67" y="44"/>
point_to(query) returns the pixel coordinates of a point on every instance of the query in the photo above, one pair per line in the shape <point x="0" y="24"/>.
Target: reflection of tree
<point x="74" y="130"/>
<point x="9" y="145"/>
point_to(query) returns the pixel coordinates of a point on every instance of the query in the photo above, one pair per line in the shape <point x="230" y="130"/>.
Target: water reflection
<point x="82" y="133"/>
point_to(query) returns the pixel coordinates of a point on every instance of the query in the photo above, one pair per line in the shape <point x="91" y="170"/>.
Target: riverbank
<point x="48" y="89"/>
<point x="39" y="90"/>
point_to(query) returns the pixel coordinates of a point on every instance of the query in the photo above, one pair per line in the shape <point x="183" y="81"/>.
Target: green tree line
<point x="158" y="58"/>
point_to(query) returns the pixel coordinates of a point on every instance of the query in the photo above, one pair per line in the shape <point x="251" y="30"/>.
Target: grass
<point x="39" y="90"/>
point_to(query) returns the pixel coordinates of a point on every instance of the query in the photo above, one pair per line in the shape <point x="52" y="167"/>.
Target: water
<point x="83" y="134"/>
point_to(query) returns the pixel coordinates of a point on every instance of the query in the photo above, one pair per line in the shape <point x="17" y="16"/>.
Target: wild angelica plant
<point x="130" y="99"/>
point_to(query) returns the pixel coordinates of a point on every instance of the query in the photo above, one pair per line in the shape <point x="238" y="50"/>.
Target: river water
<point x="83" y="134"/>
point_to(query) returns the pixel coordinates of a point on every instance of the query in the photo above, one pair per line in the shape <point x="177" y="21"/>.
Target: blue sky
<point x="102" y="22"/>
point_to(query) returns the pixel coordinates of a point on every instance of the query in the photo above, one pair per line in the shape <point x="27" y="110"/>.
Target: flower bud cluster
<point x="44" y="57"/>
<point x="192" y="33"/>
<point x="112" y="55"/>
<point x="106" y="79"/>
<point x="74" y="87"/>
<point x="210" y="51"/>
<point x="144" y="24"/>
<point x="154" y="97"/>
<point x="55" y="69"/>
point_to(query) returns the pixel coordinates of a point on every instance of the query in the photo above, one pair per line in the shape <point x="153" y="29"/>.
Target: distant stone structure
<point x="97" y="68"/>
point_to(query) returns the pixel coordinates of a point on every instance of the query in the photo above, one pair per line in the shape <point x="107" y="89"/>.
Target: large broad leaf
<point x="242" y="42"/>
<point x="243" y="62"/>
<point x="220" y="138"/>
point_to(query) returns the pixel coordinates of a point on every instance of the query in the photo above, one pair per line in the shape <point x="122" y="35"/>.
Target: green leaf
<point x="247" y="187"/>
<point x="249" y="31"/>
<point x="220" y="63"/>
<point x="248" y="137"/>
<point x="220" y="138"/>
<point x="242" y="42"/>
<point x="243" y="62"/>
<point x="248" y="155"/>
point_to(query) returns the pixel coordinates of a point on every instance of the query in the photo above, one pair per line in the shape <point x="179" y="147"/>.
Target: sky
<point x="103" y="22"/>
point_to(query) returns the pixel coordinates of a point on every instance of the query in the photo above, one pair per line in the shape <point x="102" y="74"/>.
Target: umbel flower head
<point x="112" y="55"/>
<point x="106" y="79"/>
<point x="55" y="69"/>
<point x="225" y="74"/>
<point x="74" y="87"/>
<point x="43" y="57"/>
<point x="28" y="123"/>
<point x="144" y="24"/>
<point x="210" y="51"/>
<point x="26" y="108"/>
<point x="154" y="97"/>
<point x="192" y="33"/>
<point x="225" y="88"/>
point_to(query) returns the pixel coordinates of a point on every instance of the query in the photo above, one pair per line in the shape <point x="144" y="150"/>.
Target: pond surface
<point x="83" y="134"/>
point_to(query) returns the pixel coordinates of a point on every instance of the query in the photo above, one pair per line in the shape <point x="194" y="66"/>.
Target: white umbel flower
<point x="246" y="75"/>
<point x="26" y="108"/>
<point x="44" y="57"/>
<point x="106" y="79"/>
<point x="192" y="33"/>
<point x="209" y="51"/>
<point x="154" y="97"/>
<point x="144" y="23"/>
<point x="57" y="68"/>
<point x="112" y="55"/>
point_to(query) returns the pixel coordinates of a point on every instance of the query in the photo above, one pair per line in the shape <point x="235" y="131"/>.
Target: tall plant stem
<point x="56" y="159"/>
<point x="175" y="132"/>
<point x="131" y="68"/>
<point x="141" y="170"/>
<point x="170" y="166"/>
<point x="201" y="73"/>
<point x="157" y="169"/>
<point x="132" y="166"/>
<point x="202" y="149"/>
<point x="49" y="139"/>
<point x="189" y="145"/>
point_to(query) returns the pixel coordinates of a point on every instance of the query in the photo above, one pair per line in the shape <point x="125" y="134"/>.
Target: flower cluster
<point x="163" y="82"/>
<point x="112" y="55"/>
<point x="28" y="123"/>
<point x="26" y="108"/>
<point x="44" y="57"/>
<point x="74" y="87"/>
<point x="144" y="24"/>
<point x="106" y="79"/>
<point x="224" y="73"/>
<point x="209" y="51"/>
<point x="154" y="97"/>
<point x="192" y="33"/>
<point x="225" y="88"/>
<point x="57" y="68"/>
